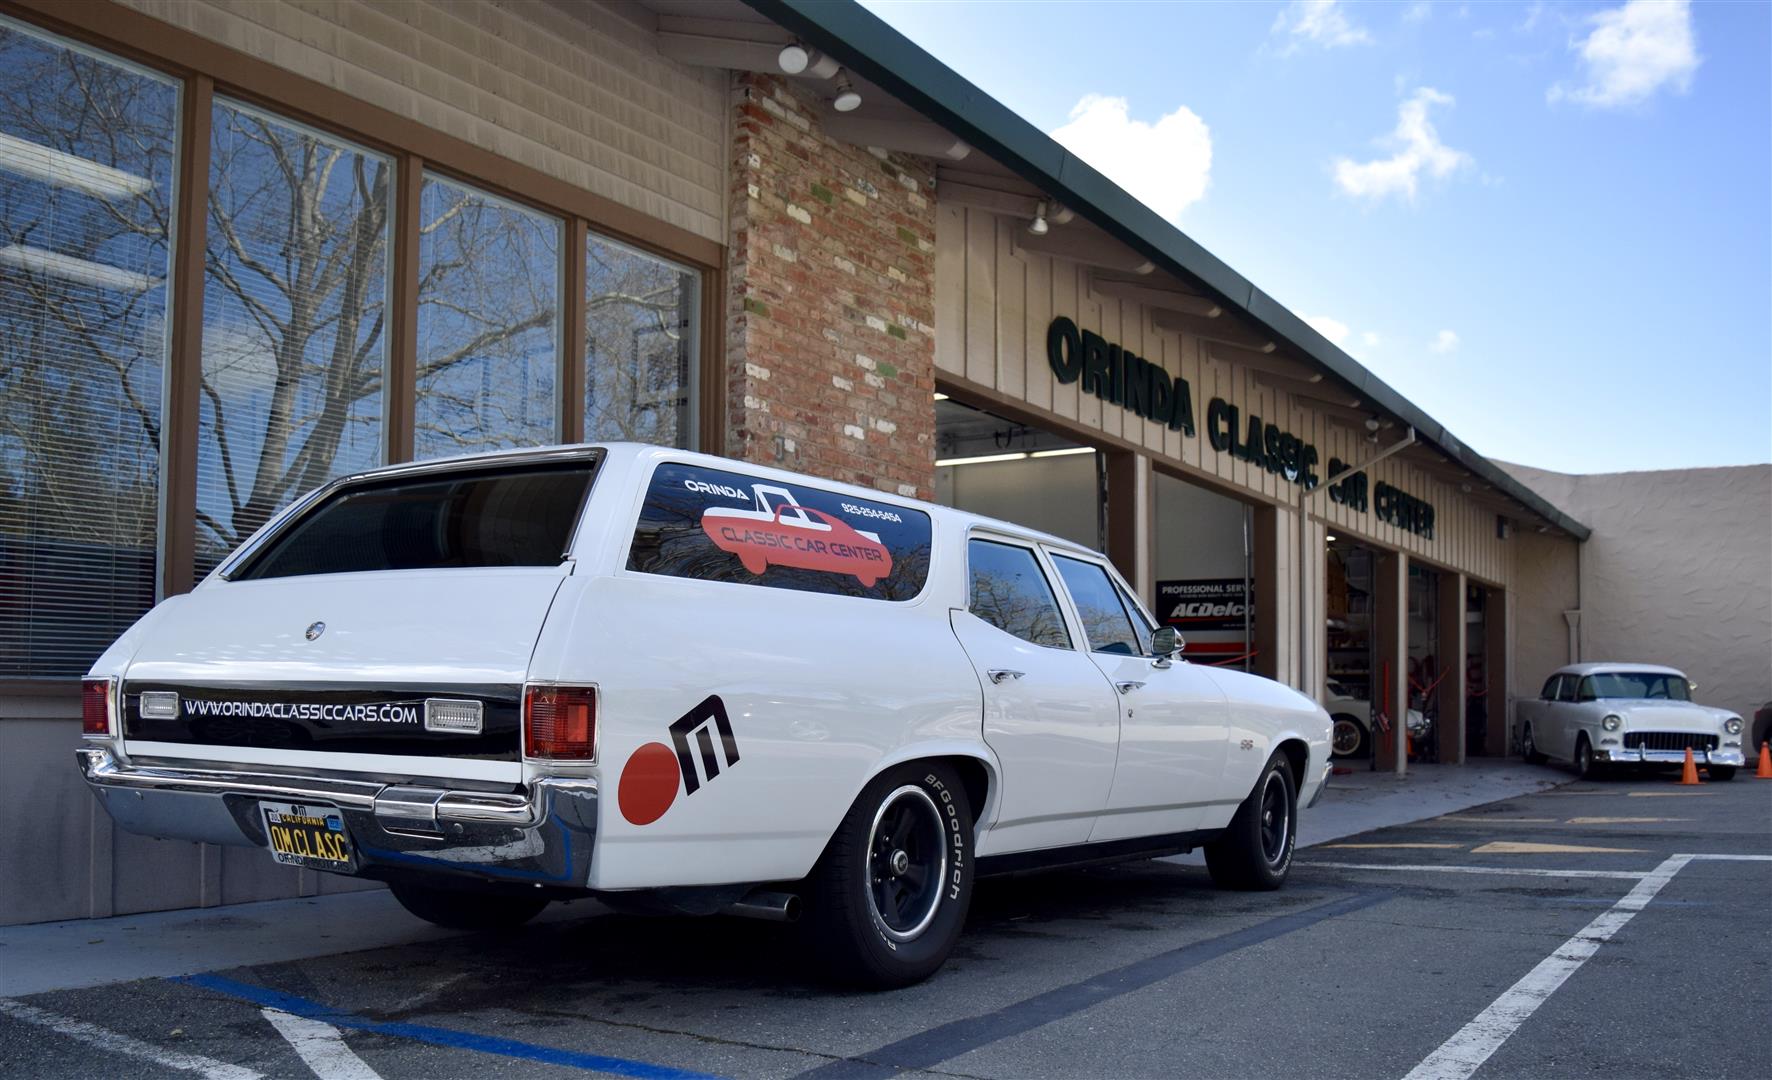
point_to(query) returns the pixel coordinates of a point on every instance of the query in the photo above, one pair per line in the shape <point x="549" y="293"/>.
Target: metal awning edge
<point x="877" y="52"/>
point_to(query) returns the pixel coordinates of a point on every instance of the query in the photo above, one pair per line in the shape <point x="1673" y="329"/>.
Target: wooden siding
<point x="581" y="94"/>
<point x="994" y="305"/>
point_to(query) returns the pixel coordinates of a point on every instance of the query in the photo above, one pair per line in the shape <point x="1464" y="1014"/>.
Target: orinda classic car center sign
<point x="1119" y="376"/>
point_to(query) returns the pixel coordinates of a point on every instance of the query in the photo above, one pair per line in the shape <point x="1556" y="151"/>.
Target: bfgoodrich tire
<point x="889" y="895"/>
<point x="1255" y="852"/>
<point x="461" y="909"/>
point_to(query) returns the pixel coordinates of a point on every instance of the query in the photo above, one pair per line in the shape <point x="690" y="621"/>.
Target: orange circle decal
<point x="649" y="783"/>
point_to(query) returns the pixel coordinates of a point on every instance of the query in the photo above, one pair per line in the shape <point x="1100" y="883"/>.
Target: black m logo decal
<point x="702" y="722"/>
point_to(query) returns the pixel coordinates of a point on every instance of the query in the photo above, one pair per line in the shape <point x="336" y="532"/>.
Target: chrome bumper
<point x="544" y="836"/>
<point x="1323" y="784"/>
<point x="1721" y="756"/>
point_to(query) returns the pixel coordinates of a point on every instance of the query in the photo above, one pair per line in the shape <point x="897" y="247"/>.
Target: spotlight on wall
<point x="794" y="57"/>
<point x="1372" y="424"/>
<point x="1038" y="226"/>
<point x="847" y="100"/>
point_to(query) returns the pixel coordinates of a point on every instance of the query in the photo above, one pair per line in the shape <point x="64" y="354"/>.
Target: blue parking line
<point x="463" y="1040"/>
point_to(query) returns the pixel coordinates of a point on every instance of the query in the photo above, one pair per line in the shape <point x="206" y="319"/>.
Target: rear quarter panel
<point x="821" y="692"/>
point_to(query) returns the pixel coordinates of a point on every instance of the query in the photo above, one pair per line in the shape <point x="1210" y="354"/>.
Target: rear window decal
<point x="715" y="525"/>
<point x="781" y="532"/>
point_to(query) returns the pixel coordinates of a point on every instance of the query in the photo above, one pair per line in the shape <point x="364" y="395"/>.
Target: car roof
<point x="960" y="519"/>
<point x="1611" y="667"/>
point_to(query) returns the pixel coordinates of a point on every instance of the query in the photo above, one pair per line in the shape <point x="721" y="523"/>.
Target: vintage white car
<point x="1595" y="715"/>
<point x="1352" y="716"/>
<point x="685" y="684"/>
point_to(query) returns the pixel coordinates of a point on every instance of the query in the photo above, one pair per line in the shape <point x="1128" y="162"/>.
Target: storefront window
<point x="488" y="322"/>
<point x="294" y="313"/>
<point x="639" y="346"/>
<point x="87" y="151"/>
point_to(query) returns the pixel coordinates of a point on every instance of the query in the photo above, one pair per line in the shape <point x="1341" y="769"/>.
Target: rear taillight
<point x="95" y="706"/>
<point x="560" y="722"/>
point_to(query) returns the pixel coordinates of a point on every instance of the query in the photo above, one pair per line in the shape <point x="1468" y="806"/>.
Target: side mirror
<point x="1166" y="642"/>
<point x="1692" y="686"/>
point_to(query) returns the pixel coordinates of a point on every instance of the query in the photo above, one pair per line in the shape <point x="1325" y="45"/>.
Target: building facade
<point x="253" y="246"/>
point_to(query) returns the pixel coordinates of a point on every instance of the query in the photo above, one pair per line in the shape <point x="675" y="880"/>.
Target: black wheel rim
<point x="1346" y="737"/>
<point x="907" y="863"/>
<point x="1276" y="818"/>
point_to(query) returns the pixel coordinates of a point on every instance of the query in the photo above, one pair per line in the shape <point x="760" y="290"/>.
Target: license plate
<point x="305" y="835"/>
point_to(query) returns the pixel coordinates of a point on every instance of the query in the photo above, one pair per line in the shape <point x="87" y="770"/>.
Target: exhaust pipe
<point x="769" y="906"/>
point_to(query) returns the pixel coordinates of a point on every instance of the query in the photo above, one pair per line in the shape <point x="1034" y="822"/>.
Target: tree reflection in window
<point x="1011" y="593"/>
<point x="86" y="177"/>
<point x="639" y="346"/>
<point x="488" y="322"/>
<point x="294" y="306"/>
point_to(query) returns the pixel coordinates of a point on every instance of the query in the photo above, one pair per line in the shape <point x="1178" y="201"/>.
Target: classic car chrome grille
<point x="1668" y="740"/>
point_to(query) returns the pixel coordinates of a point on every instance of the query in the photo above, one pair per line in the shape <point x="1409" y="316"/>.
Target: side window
<point x="1139" y="625"/>
<point x="1584" y="691"/>
<point x="1566" y="689"/>
<point x="1550" y="688"/>
<point x="715" y="525"/>
<point x="1105" y="622"/>
<point x="1010" y="592"/>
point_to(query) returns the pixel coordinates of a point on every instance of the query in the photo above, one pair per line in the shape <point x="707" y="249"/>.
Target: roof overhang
<point x="873" y="49"/>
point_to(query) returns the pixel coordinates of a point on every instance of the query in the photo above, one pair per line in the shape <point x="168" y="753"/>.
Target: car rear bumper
<point x="544" y="836"/>
<point x="1722" y="756"/>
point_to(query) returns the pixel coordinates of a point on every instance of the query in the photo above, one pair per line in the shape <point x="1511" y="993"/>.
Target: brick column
<point x="830" y="298"/>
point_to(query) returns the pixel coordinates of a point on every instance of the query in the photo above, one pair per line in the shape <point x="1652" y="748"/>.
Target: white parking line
<point x="118" y="1043"/>
<point x="1521" y="871"/>
<point x="1462" y="1054"/>
<point x="322" y="1046"/>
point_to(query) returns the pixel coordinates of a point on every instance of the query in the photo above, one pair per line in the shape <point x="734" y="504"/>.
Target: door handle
<point x="1128" y="686"/>
<point x="1003" y="674"/>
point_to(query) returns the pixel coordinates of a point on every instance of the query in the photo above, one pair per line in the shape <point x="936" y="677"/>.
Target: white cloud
<point x="1317" y="22"/>
<point x="1444" y="342"/>
<point x="1333" y="329"/>
<point x="1418" y="150"/>
<point x="1634" y="51"/>
<point x="1418" y="12"/>
<point x="1166" y="165"/>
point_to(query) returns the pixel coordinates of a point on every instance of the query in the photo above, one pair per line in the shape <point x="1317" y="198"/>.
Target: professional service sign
<point x="1205" y="603"/>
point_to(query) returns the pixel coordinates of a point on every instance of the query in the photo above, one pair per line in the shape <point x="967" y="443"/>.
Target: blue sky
<point x="1548" y="224"/>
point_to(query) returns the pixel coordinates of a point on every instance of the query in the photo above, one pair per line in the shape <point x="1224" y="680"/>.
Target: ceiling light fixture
<point x="1332" y="539"/>
<point x="1066" y="452"/>
<point x="794" y="58"/>
<point x="1038" y="226"/>
<point x="980" y="460"/>
<point x="939" y="396"/>
<point x="847" y="99"/>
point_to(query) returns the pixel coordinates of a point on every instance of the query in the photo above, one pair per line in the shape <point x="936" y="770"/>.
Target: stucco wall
<point x="1679" y="571"/>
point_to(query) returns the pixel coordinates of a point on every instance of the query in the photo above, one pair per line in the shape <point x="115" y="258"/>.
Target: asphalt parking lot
<point x="1555" y="934"/>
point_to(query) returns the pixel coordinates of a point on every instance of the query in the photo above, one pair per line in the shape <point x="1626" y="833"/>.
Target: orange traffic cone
<point x="1689" y="773"/>
<point x="1764" y="772"/>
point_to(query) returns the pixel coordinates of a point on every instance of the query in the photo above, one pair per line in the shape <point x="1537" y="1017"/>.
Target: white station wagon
<point x="685" y="684"/>
<point x="1595" y="715"/>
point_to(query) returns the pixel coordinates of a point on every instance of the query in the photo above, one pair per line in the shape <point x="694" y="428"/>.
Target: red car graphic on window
<point x="796" y="536"/>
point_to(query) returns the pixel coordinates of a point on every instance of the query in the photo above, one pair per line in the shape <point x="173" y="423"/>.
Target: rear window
<point x="518" y="516"/>
<point x="723" y="526"/>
